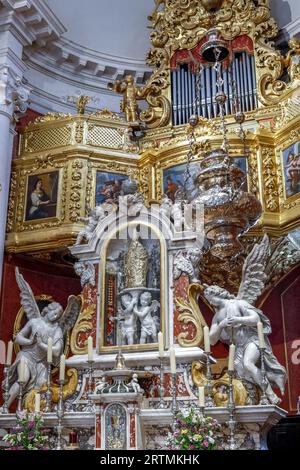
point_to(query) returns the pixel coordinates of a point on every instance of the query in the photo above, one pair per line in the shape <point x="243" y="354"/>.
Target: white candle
<point x="49" y="350"/>
<point x="161" y="347"/>
<point x="9" y="353"/>
<point x="231" y="357"/>
<point x="62" y="367"/>
<point x="206" y="339"/>
<point x="261" y="337"/>
<point x="90" y="349"/>
<point x="37" y="404"/>
<point x="22" y="370"/>
<point x="173" y="360"/>
<point x="201" y="396"/>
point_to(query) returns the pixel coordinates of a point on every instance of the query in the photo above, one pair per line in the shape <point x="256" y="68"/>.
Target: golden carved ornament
<point x="76" y="189"/>
<point x="159" y="111"/>
<point x="190" y="313"/>
<point x="83" y="324"/>
<point x="270" y="179"/>
<point x="69" y="389"/>
<point x="40" y="164"/>
<point x="107" y="114"/>
<point x="220" y="386"/>
<point x="12" y="201"/>
<point x="292" y="60"/>
<point x="18" y="326"/>
<point x="49" y="117"/>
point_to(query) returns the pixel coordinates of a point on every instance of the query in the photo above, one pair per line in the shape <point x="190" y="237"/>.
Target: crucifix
<point x="120" y="360"/>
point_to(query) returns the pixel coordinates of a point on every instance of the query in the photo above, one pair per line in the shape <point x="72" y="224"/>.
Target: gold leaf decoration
<point x="190" y="313"/>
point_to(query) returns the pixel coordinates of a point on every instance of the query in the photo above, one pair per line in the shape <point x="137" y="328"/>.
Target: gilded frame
<point x="23" y="225"/>
<point x="58" y="203"/>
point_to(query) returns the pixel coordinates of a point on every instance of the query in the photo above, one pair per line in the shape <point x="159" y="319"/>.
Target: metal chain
<point x="220" y="83"/>
<point x="191" y="136"/>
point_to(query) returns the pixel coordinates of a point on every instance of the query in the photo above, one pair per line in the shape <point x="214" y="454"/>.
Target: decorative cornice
<point x="31" y="21"/>
<point x="72" y="61"/>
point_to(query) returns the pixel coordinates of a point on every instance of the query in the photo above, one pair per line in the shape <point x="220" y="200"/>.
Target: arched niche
<point x="133" y="285"/>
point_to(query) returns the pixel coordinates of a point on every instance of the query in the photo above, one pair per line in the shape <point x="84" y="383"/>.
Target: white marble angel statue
<point x="53" y="322"/>
<point x="235" y="321"/>
<point x="128" y="324"/>
<point x="146" y="317"/>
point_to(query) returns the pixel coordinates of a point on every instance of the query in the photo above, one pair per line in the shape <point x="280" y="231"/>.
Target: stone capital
<point x="14" y="93"/>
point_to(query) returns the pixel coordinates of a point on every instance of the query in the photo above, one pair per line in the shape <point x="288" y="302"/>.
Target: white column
<point x="13" y="101"/>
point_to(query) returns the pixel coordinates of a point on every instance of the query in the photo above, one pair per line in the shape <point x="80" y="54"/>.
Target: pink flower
<point x="191" y="446"/>
<point x="205" y="443"/>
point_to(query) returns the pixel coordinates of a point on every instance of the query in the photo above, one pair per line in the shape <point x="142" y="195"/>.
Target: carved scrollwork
<point x="181" y="24"/>
<point x="41" y="163"/>
<point x="68" y="391"/>
<point x="190" y="313"/>
<point x="83" y="324"/>
<point x="76" y="187"/>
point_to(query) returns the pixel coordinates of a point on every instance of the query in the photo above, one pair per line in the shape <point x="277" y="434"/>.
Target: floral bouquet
<point x="27" y="434"/>
<point x="194" y="432"/>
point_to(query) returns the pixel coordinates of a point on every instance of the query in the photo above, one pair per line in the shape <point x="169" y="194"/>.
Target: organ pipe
<point x="241" y="73"/>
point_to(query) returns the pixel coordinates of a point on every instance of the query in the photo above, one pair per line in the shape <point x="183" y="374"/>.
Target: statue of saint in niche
<point x="134" y="272"/>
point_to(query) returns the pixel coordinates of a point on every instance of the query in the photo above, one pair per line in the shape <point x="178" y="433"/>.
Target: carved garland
<point x="191" y="313"/>
<point x="12" y="201"/>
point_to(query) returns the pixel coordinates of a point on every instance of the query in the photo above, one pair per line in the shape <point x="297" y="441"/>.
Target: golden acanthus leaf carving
<point x="49" y="117"/>
<point x="83" y="324"/>
<point x="220" y="386"/>
<point x="190" y="313"/>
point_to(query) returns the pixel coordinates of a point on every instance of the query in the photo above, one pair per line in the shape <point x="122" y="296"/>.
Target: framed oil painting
<point x="173" y="178"/>
<point x="41" y="197"/>
<point x="291" y="167"/>
<point x="108" y="186"/>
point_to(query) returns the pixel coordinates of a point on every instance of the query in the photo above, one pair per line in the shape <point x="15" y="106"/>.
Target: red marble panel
<point x="132" y="431"/>
<point x="98" y="431"/>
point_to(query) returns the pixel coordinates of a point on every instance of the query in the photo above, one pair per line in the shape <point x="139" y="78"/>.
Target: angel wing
<point x="69" y="317"/>
<point x="253" y="275"/>
<point x="27" y="298"/>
